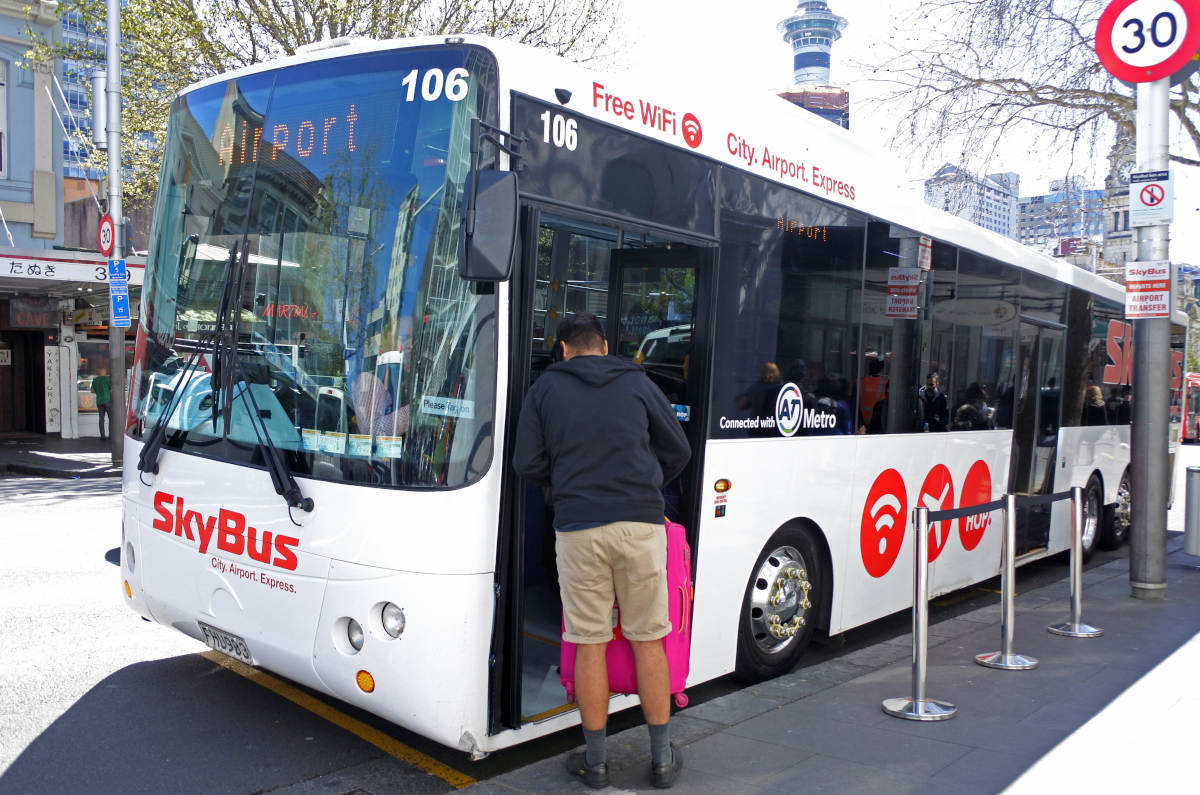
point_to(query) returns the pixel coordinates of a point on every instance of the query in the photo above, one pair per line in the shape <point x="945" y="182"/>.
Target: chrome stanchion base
<point x="1006" y="662"/>
<point x="1071" y="630"/>
<point x="919" y="709"/>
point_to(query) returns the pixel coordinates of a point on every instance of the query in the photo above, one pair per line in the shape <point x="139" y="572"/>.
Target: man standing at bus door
<point x="604" y="439"/>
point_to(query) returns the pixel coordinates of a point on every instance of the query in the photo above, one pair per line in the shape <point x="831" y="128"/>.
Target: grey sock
<point x="660" y="743"/>
<point x="595" y="746"/>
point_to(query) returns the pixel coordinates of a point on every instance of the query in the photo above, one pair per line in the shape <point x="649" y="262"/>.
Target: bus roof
<point x="755" y="131"/>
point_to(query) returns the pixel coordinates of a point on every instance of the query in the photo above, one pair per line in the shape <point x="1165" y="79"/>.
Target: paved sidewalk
<point x="1115" y="711"/>
<point x="53" y="457"/>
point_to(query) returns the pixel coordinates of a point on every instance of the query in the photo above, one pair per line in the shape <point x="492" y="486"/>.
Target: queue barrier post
<point x="1075" y="628"/>
<point x="1006" y="659"/>
<point x="917" y="706"/>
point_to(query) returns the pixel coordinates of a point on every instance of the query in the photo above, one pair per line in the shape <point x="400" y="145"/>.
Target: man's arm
<point x="530" y="459"/>
<point x="667" y="439"/>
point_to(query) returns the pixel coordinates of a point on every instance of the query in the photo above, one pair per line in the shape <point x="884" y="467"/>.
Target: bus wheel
<point x="778" y="612"/>
<point x="1117" y="517"/>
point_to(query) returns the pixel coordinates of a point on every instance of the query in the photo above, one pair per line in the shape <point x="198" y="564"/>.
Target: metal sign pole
<point x="1152" y="341"/>
<point x="1075" y="628"/>
<point x="1006" y="659"/>
<point x="918" y="707"/>
<point x="116" y="334"/>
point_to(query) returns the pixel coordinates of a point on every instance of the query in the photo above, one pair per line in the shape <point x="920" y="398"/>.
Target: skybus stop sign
<point x="1140" y="41"/>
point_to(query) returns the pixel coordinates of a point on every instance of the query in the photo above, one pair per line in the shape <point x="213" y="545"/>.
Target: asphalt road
<point x="93" y="699"/>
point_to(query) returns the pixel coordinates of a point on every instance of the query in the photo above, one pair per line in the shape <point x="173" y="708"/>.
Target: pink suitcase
<point x="622" y="675"/>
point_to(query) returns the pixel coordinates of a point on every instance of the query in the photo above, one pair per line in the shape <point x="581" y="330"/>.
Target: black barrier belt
<point x="996" y="505"/>
<point x="1043" y="499"/>
<point x="969" y="510"/>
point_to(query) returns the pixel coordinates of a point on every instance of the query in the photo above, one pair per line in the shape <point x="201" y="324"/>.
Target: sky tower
<point x="811" y="31"/>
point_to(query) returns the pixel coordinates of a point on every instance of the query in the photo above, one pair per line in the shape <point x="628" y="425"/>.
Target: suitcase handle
<point x="683" y="608"/>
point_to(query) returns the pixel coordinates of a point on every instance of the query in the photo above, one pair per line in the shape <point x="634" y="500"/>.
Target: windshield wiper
<point x="228" y="372"/>
<point x="148" y="457"/>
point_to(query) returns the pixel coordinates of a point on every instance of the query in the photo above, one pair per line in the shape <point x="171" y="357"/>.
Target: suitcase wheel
<point x="681" y="700"/>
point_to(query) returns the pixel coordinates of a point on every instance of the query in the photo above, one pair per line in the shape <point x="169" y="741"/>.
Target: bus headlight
<point x="354" y="634"/>
<point x="393" y="620"/>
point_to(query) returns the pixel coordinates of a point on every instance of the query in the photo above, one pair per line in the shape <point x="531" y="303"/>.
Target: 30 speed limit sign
<point x="106" y="234"/>
<point x="1140" y="41"/>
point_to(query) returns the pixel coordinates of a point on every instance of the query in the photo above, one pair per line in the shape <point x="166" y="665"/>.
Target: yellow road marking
<point x="383" y="742"/>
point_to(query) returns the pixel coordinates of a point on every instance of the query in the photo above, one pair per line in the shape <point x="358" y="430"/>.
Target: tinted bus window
<point x="790" y="280"/>
<point x="985" y="317"/>
<point x="906" y="350"/>
<point x="611" y="170"/>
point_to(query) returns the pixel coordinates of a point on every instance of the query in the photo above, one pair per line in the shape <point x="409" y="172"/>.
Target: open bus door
<point x="657" y="321"/>
<point x="1036" y="421"/>
<point x="653" y="299"/>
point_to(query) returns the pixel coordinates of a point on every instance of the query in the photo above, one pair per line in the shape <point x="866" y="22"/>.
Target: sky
<point x="734" y="46"/>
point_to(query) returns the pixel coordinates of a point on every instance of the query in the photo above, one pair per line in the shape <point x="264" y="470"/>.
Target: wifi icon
<point x="881" y="532"/>
<point x="692" y="132"/>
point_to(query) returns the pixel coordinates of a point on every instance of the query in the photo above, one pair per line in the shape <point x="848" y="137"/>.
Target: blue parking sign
<point x="118" y="305"/>
<point x="116" y="271"/>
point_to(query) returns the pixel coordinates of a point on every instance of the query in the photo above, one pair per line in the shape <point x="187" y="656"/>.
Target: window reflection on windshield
<point x="363" y="353"/>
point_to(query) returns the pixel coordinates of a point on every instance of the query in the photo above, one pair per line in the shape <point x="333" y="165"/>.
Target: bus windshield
<point x="333" y="188"/>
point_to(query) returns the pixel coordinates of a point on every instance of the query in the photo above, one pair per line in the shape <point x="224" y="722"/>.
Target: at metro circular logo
<point x="789" y="409"/>
<point x="1140" y="41"/>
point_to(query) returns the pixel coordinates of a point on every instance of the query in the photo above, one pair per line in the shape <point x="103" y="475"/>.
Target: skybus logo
<point x="232" y="534"/>
<point x="791" y="416"/>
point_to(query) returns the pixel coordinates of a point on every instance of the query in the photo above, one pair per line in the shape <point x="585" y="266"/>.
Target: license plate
<point x="225" y="642"/>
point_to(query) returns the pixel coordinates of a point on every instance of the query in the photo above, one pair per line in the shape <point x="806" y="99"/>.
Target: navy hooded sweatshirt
<point x="603" y="438"/>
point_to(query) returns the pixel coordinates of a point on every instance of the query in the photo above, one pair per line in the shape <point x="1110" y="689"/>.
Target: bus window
<point x="985" y="315"/>
<point x="791" y="268"/>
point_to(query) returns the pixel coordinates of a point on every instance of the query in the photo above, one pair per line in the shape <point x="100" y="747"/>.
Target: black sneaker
<point x="663" y="776"/>
<point x="595" y="776"/>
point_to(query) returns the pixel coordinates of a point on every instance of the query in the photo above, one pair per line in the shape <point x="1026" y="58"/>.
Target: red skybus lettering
<point x="233" y="535"/>
<point x="1119" y="353"/>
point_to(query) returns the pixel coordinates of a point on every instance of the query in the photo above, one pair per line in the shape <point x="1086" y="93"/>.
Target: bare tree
<point x="988" y="68"/>
<point x="172" y="43"/>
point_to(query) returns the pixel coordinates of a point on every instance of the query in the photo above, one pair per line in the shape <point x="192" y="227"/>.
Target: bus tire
<point x="1117" y="517"/>
<point x="781" y="606"/>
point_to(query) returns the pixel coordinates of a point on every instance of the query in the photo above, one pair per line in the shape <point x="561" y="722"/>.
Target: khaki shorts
<point x="626" y="561"/>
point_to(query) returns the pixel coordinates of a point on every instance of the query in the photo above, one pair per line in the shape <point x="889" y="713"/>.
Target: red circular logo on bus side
<point x="883" y="520"/>
<point x="976" y="490"/>
<point x="692" y="132"/>
<point x="937" y="494"/>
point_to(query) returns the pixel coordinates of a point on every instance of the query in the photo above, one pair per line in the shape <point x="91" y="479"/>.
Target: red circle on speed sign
<point x="106" y="235"/>
<point x="1140" y="41"/>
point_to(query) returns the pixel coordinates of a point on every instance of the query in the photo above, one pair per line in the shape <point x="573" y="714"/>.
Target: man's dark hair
<point x="582" y="330"/>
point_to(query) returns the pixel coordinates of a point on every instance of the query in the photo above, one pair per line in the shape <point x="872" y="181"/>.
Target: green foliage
<point x="173" y="43"/>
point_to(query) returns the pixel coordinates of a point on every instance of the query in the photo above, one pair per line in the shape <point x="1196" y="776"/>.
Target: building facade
<point x="1119" y="245"/>
<point x="1069" y="212"/>
<point x="811" y="31"/>
<point x="989" y="201"/>
<point x="53" y="301"/>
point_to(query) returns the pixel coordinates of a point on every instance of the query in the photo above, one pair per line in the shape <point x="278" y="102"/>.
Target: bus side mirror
<point x="488" y="236"/>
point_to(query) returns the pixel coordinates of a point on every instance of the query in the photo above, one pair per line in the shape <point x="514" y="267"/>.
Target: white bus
<point x="392" y="559"/>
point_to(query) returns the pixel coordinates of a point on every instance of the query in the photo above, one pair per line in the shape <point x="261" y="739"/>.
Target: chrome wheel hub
<point x="779" y="603"/>
<point x="1122" y="514"/>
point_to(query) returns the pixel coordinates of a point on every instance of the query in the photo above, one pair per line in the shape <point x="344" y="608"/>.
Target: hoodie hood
<point x="595" y="370"/>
